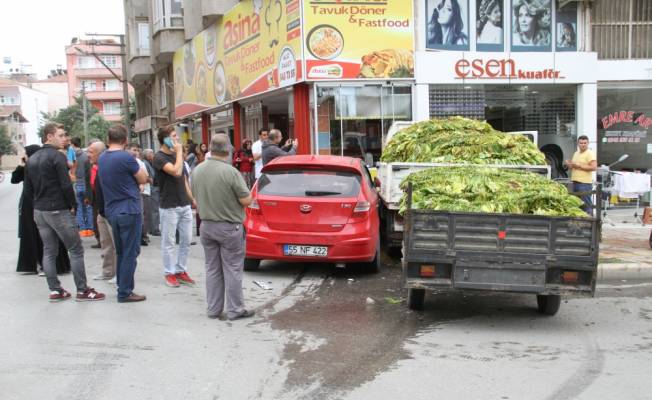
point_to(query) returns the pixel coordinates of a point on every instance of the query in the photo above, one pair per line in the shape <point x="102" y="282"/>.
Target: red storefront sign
<point x="500" y="69"/>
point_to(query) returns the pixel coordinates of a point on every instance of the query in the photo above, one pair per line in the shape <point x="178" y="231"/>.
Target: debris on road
<point x="393" y="300"/>
<point x="263" y="285"/>
<point x="370" y="300"/>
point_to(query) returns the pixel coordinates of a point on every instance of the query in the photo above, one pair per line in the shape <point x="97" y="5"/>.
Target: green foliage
<point x="460" y="140"/>
<point x="6" y="146"/>
<point x="72" y="118"/>
<point x="489" y="190"/>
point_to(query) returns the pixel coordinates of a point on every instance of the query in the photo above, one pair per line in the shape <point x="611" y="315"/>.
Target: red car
<point x="314" y="208"/>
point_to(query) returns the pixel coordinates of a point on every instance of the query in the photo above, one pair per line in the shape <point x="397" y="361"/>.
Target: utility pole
<point x="125" y="86"/>
<point x="85" y="111"/>
<point x="123" y="79"/>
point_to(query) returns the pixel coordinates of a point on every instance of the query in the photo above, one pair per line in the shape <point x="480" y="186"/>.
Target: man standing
<point x="271" y="149"/>
<point x="120" y="177"/>
<point x="222" y="232"/>
<point x="257" y="150"/>
<point x="107" y="245"/>
<point x="154" y="220"/>
<point x="145" y="191"/>
<point x="83" y="193"/>
<point x="175" y="207"/>
<point x="48" y="183"/>
<point x="582" y="165"/>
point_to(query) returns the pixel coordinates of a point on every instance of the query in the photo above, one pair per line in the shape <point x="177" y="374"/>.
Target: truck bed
<point x="505" y="252"/>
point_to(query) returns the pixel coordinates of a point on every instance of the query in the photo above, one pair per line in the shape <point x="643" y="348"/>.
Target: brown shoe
<point x="132" y="298"/>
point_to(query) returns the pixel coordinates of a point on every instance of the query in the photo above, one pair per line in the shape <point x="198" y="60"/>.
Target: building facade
<point x="338" y="75"/>
<point x="95" y="70"/>
<point x="22" y="107"/>
<point x="56" y="88"/>
<point x="155" y="30"/>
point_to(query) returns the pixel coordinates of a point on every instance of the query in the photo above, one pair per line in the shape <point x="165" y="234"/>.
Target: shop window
<point x="625" y="125"/>
<point x="549" y="110"/>
<point x="353" y="120"/>
<point x="622" y="29"/>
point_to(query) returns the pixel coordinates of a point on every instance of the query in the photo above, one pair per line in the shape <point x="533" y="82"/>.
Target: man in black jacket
<point x="48" y="183"/>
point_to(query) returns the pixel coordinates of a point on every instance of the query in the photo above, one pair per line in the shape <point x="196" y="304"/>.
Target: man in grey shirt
<point x="271" y="149"/>
<point x="222" y="233"/>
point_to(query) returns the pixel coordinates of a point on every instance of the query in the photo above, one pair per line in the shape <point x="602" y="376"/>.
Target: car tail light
<point x="427" y="271"/>
<point x="361" y="209"/>
<point x="254" y="207"/>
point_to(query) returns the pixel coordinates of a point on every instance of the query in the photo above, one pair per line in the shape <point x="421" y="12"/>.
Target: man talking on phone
<point x="174" y="207"/>
<point x="272" y="150"/>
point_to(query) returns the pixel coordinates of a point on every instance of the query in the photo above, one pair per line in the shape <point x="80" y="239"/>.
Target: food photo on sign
<point x="447" y="24"/>
<point x="338" y="37"/>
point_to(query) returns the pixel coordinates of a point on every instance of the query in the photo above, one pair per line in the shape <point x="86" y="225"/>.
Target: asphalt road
<point x="320" y="333"/>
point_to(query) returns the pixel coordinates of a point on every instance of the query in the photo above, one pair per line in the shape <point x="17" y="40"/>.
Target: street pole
<point x="125" y="86"/>
<point x="85" y="111"/>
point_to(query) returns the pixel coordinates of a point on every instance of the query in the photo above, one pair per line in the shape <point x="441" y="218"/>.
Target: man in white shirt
<point x="145" y="191"/>
<point x="257" y="150"/>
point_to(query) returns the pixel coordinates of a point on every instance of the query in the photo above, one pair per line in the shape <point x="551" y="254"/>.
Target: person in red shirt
<point x="243" y="161"/>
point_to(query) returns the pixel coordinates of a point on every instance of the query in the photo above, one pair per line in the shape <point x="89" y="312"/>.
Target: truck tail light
<point x="427" y="271"/>
<point x="570" y="277"/>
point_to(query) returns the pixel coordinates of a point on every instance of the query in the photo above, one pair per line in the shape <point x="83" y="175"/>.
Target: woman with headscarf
<point x="243" y="161"/>
<point x="446" y="25"/>
<point x="30" y="253"/>
<point x="531" y="23"/>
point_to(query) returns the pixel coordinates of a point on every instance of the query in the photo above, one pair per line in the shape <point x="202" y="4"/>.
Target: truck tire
<point x="251" y="264"/>
<point x="415" y="298"/>
<point x="548" y="304"/>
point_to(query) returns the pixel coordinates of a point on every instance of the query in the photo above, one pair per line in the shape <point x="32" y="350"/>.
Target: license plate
<point x="305" y="251"/>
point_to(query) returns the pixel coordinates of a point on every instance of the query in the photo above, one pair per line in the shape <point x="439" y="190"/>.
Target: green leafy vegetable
<point x="489" y="190"/>
<point x="460" y="140"/>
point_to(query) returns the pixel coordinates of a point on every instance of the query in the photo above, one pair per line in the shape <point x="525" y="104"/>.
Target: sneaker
<point x="132" y="298"/>
<point x="90" y="294"/>
<point x="220" y="316"/>
<point x="182" y="277"/>
<point x="244" y="314"/>
<point x="41" y="272"/>
<point x="59" y="295"/>
<point x="113" y="281"/>
<point x="101" y="278"/>
<point x="171" y="280"/>
<point x="96" y="246"/>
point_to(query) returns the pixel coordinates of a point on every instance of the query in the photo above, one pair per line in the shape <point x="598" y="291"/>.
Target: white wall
<point x="57" y="93"/>
<point x="624" y="70"/>
<point x="32" y="103"/>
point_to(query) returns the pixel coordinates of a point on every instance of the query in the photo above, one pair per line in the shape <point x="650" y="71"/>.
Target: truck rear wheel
<point x="548" y="304"/>
<point x="415" y="298"/>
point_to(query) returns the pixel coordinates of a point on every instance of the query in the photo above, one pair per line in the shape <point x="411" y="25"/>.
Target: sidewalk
<point x="625" y="252"/>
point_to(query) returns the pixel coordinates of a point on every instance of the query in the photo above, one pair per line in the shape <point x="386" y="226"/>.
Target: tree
<point x="6" y="146"/>
<point x="72" y="119"/>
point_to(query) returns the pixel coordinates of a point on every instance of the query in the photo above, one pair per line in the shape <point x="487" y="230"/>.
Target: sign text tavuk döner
<point x="500" y="69"/>
<point x="360" y="13"/>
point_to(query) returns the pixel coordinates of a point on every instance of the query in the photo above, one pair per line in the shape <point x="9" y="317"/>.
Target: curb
<point x="624" y="271"/>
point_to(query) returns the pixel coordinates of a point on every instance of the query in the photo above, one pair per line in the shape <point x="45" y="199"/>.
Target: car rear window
<point x="309" y="183"/>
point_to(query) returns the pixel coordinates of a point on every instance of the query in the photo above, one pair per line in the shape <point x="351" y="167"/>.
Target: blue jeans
<point x="126" y="236"/>
<point x="173" y="219"/>
<point x="587" y="199"/>
<point x="84" y="211"/>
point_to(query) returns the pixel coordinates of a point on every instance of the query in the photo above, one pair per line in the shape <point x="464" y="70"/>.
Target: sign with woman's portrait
<point x="566" y="27"/>
<point x="489" y="25"/>
<point x="531" y="25"/>
<point x="447" y="24"/>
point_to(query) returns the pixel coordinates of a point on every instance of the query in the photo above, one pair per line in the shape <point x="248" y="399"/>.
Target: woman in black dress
<point x="30" y="253"/>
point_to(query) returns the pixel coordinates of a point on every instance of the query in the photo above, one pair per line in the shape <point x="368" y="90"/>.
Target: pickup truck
<point x="390" y="176"/>
<point x="542" y="255"/>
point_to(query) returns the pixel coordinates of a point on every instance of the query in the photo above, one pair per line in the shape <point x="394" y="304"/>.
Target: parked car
<point x="314" y="208"/>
